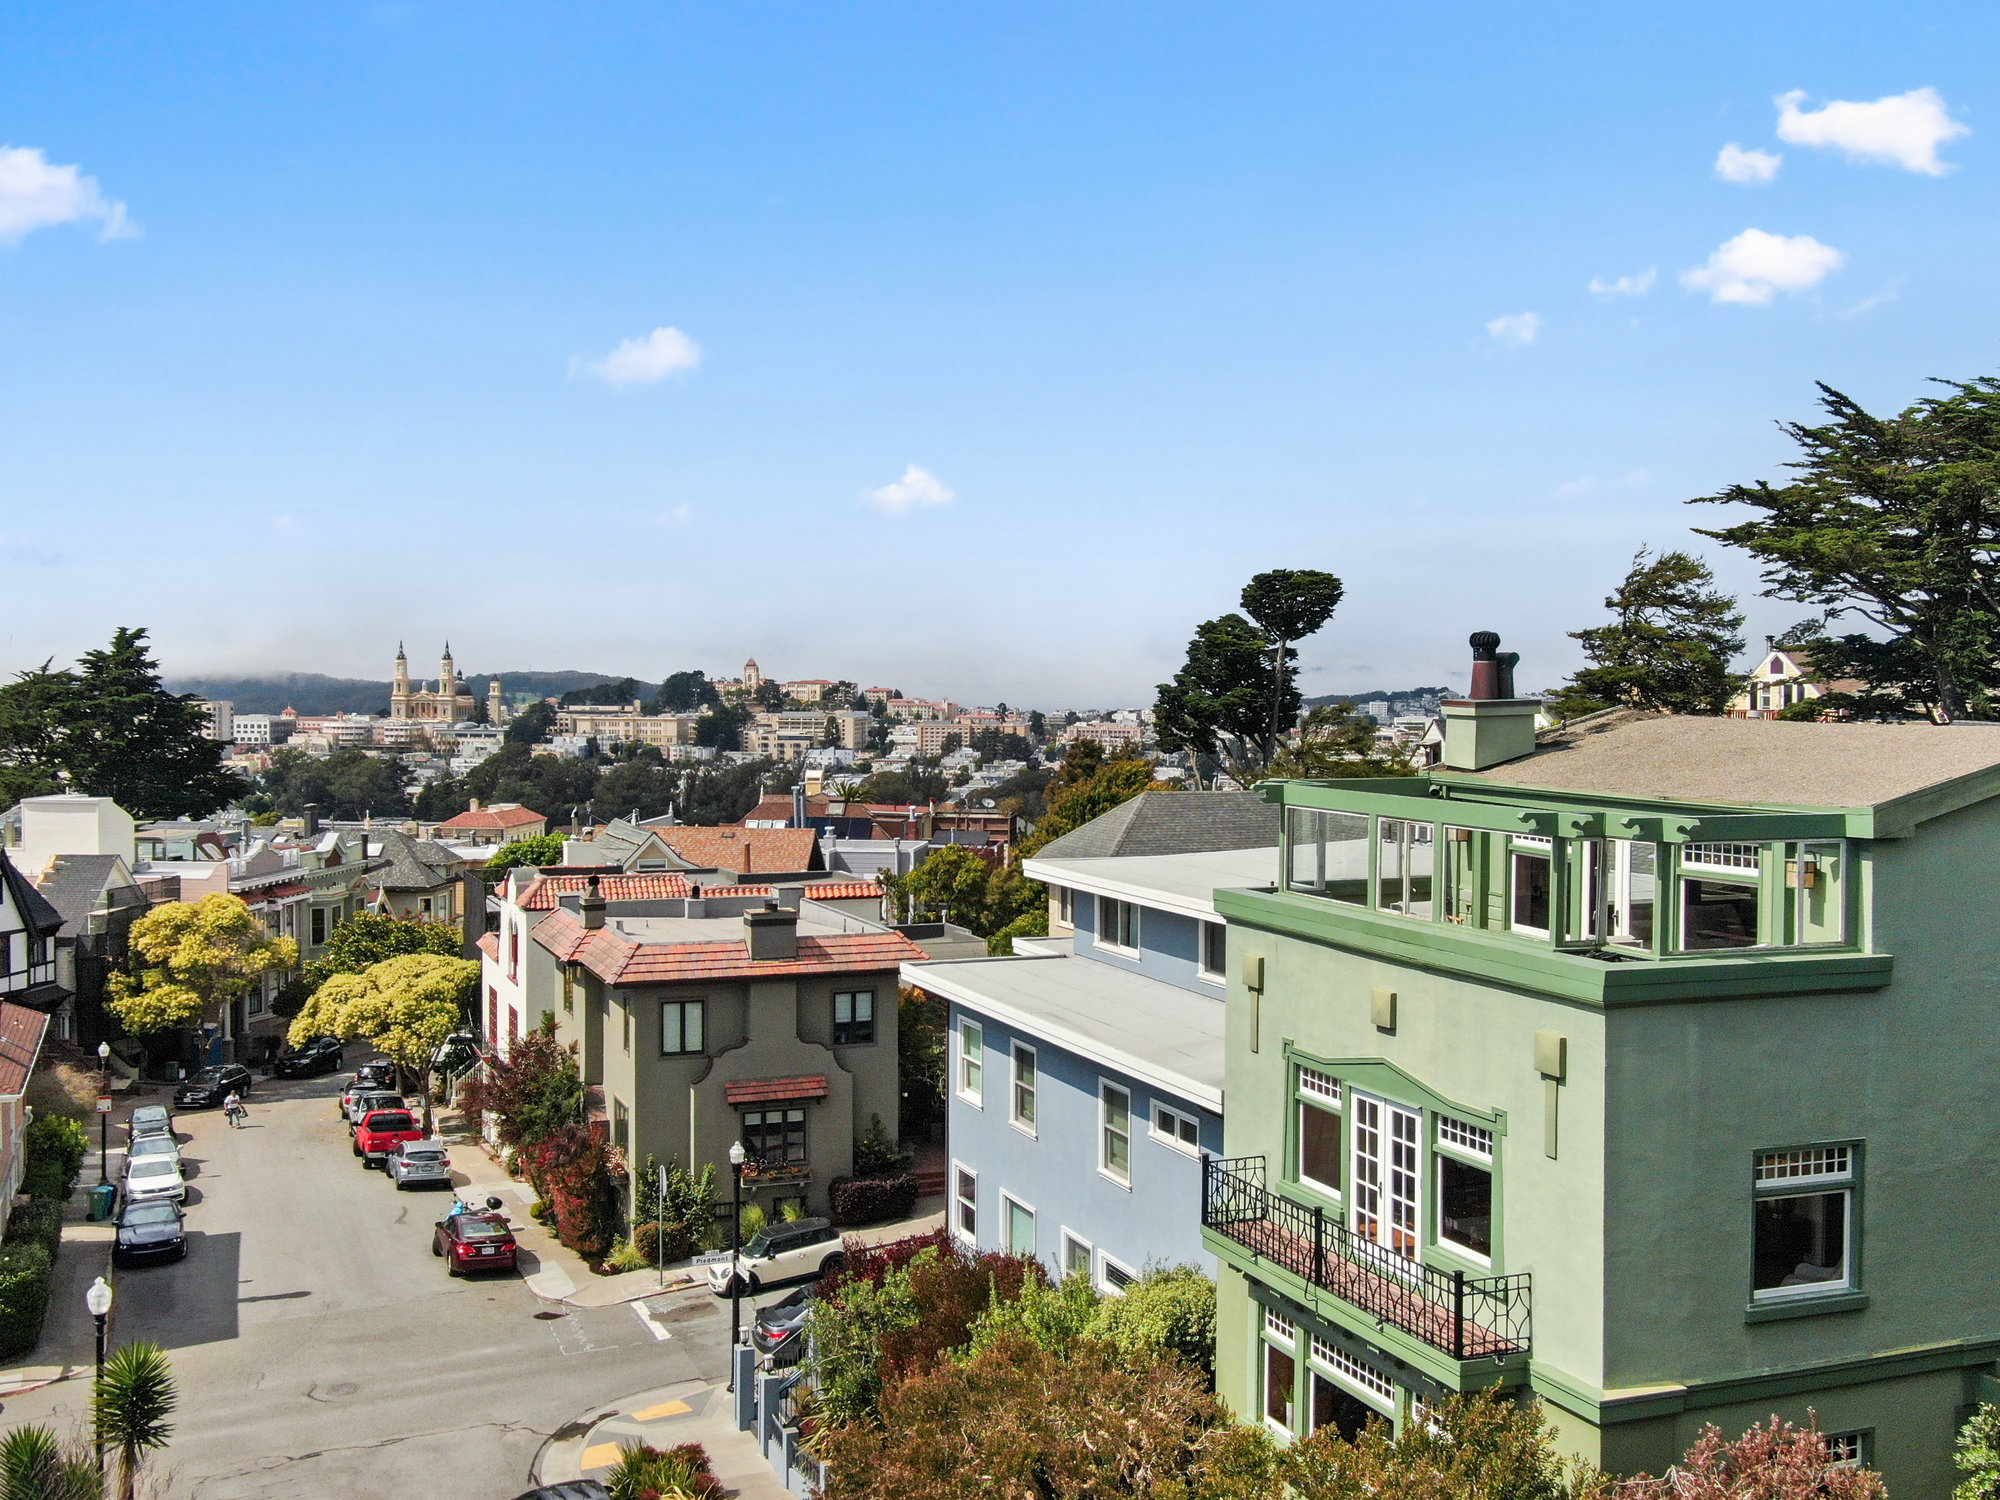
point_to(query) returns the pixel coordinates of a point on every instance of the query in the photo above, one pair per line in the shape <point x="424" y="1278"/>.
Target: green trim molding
<point x="1600" y="983"/>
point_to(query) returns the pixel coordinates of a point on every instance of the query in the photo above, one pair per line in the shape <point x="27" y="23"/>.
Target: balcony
<point x="1462" y="1317"/>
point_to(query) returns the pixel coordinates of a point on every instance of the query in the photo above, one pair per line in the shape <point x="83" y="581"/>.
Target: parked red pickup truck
<point x="381" y="1131"/>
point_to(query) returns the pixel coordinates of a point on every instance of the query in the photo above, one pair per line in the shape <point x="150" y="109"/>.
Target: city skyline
<point x="320" y="321"/>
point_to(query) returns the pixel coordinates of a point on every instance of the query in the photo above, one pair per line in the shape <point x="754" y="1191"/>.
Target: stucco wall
<point x="1157" y="1220"/>
<point x="1169" y="946"/>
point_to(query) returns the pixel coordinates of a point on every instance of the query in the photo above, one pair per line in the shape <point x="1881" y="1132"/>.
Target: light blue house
<point x="1086" y="1070"/>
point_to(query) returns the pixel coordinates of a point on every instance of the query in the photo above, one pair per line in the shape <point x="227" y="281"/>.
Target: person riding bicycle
<point x="233" y="1110"/>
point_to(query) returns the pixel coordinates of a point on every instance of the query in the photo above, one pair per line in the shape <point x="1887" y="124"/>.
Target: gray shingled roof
<point x="1172" y="823"/>
<point x="413" y="864"/>
<point x="1755" y="761"/>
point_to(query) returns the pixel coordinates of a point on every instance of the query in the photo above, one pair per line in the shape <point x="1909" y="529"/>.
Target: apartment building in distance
<point x="1643" y="1067"/>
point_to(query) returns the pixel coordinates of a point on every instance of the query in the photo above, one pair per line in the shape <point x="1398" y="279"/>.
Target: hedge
<point x="869" y="1200"/>
<point x="36" y="1223"/>
<point x="52" y="1152"/>
<point x="682" y="1241"/>
<point x="25" y="1272"/>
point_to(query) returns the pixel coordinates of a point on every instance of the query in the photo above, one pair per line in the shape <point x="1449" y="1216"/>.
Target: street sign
<point x="104" y="1104"/>
<point x="714" y="1258"/>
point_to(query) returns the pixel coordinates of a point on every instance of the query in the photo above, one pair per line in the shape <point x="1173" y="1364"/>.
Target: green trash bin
<point x="101" y="1197"/>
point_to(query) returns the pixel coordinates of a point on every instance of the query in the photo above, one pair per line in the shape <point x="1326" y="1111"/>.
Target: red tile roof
<point x="491" y="818"/>
<point x="617" y="959"/>
<point x="771" y="1090"/>
<point x="850" y="890"/>
<point x="489" y="944"/>
<point x="21" y="1033"/>
<point x="744" y="851"/>
<point x="777" y="808"/>
<point x="544" y="894"/>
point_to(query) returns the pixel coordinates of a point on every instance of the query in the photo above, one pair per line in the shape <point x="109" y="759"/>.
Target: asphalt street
<point x="321" y="1349"/>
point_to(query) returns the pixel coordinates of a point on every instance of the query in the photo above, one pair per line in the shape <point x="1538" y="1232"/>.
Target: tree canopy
<point x="405" y="1006"/>
<point x="685" y="692"/>
<point x="191" y="957"/>
<point x="1669" y="645"/>
<point x="1288" y="605"/>
<point x="532" y="724"/>
<point x="1336" y="741"/>
<point x="1893" y="522"/>
<point x="347" y="784"/>
<point x="110" y="729"/>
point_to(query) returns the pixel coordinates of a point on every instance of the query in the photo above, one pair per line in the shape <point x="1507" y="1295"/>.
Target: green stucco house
<point x="1649" y="1067"/>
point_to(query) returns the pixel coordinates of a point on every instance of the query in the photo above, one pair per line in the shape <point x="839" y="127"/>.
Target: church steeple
<point x="447" y="674"/>
<point x="399" y="686"/>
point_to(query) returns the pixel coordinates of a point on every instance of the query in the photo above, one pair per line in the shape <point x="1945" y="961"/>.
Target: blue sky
<point x="969" y="349"/>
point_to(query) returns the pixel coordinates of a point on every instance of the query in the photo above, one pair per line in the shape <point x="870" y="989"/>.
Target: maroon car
<point x="474" y="1241"/>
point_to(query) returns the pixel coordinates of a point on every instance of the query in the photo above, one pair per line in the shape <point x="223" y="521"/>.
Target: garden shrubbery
<point x="680" y="1473"/>
<point x="25" y="1270"/>
<point x="869" y="1200"/>
<point x="52" y="1152"/>
<point x="36" y="1223"/>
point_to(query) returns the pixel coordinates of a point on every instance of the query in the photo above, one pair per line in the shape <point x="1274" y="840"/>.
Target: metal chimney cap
<point x="1484" y="643"/>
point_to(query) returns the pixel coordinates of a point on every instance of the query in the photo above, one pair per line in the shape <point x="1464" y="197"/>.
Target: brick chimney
<point x="1489" y="726"/>
<point x="591" y="906"/>
<point x="772" y="932"/>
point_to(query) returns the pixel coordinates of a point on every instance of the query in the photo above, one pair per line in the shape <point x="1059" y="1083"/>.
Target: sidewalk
<point x="690" y="1412"/>
<point x="68" y="1345"/>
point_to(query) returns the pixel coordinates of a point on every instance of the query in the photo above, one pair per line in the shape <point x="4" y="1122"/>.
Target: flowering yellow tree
<point x="193" y="958"/>
<point x="406" y="1006"/>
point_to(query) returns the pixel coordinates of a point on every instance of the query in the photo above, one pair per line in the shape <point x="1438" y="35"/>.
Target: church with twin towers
<point x="448" y="702"/>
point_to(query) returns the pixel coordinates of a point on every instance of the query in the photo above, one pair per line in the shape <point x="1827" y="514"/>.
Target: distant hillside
<point x="1372" y="695"/>
<point x="315" y="693"/>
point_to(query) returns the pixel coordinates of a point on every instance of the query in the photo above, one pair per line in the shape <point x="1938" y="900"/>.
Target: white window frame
<point x="1851" y="1447"/>
<point x="1459" y="1140"/>
<point x="1014" y="1051"/>
<point x="1104" y="1167"/>
<point x="971" y="1044"/>
<point x="1066" y="906"/>
<point x="1173" y="1139"/>
<point x="1009" y="1202"/>
<point x="1213" y="973"/>
<point x="1105" y="1260"/>
<point x="959" y="1232"/>
<point x="1070" y="1238"/>
<point x="1529" y="846"/>
<point x="1365" y="1379"/>
<point x="1319" y="1090"/>
<point x="1276" y="1331"/>
<point x="1108" y="904"/>
<point x="1811" y="1171"/>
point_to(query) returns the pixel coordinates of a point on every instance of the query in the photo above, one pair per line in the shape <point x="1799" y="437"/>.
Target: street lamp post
<point x="103" y="1115"/>
<point x="98" y="1300"/>
<point x="736" y="1158"/>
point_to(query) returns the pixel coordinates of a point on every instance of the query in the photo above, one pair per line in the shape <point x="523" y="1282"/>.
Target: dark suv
<point x="311" y="1060"/>
<point x="208" y="1088"/>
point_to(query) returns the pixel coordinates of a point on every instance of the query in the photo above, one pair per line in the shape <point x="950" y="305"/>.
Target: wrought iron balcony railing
<point x="1467" y="1317"/>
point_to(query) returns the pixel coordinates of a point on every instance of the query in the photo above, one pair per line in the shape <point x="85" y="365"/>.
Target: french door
<point x="1386" y="1176"/>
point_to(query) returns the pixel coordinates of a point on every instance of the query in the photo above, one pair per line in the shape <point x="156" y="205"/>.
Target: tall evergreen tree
<point x="113" y="730"/>
<point x="1669" y="644"/>
<point x="1218" y="703"/>
<point x="1895" y="522"/>
<point x="1288" y="605"/>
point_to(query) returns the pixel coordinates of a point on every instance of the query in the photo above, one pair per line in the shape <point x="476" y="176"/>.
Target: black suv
<point x="208" y="1088"/>
<point x="324" y="1055"/>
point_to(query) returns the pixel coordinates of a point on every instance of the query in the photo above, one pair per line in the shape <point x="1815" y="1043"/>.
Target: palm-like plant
<point x="33" y="1466"/>
<point x="133" y="1401"/>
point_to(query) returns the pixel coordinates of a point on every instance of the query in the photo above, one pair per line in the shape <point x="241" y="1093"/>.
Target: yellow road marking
<point x="664" y="1409"/>
<point x="601" y="1456"/>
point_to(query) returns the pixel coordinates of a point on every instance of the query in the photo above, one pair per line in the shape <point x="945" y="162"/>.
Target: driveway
<point x="322" y="1351"/>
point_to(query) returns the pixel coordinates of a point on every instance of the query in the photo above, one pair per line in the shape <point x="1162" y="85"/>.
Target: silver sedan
<point x="418" y="1163"/>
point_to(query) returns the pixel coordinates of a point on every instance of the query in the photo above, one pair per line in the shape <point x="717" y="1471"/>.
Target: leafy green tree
<point x="1669" y="644"/>
<point x="191" y="958"/>
<point x="541" y="849"/>
<point x="131" y="1404"/>
<point x="110" y="729"/>
<point x="721" y="728"/>
<point x="921" y="1046"/>
<point x="347" y="784"/>
<point x="440" y="800"/>
<point x="919" y="786"/>
<point x="643" y="787"/>
<point x="532" y="1093"/>
<point x="550" y="784"/>
<point x="361" y="942"/>
<point x="625" y="690"/>
<point x="1288" y="605"/>
<point x="1979" y="1455"/>
<point x="951" y="884"/>
<point x="404" y="1006"/>
<point x="1894" y="522"/>
<point x="1336" y="741"/>
<point x="684" y="692"/>
<point x="713" y="795"/>
<point x="1218" y="702"/>
<point x="1074" y="804"/>
<point x="1171" y="1310"/>
<point x="532" y="724"/>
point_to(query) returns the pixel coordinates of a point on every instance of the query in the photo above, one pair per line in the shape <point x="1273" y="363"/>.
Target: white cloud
<point x="1515" y="330"/>
<point x="917" y="488"/>
<point x="1734" y="164"/>
<point x="1754" y="265"/>
<point x="1569" y="489"/>
<point x="1902" y="130"/>
<point x="644" y="361"/>
<point x="678" y="516"/>
<point x="35" y="194"/>
<point x="1635" y="285"/>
